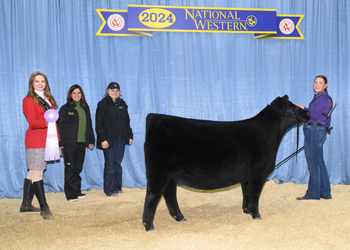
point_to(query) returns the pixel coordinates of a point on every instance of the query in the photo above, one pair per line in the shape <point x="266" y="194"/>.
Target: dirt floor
<point x="214" y="221"/>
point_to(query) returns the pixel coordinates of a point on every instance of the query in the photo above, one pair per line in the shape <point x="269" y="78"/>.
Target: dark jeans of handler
<point x="113" y="170"/>
<point x="319" y="186"/>
<point x="74" y="156"/>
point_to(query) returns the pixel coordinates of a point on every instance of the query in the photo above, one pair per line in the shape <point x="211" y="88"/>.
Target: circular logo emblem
<point x="116" y="22"/>
<point x="287" y="26"/>
<point x="251" y="20"/>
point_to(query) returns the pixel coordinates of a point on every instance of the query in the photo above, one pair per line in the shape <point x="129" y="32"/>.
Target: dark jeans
<point x="319" y="186"/>
<point x="113" y="170"/>
<point x="73" y="161"/>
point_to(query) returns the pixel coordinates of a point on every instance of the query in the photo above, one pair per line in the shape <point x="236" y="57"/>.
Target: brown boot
<point x="40" y="194"/>
<point x="28" y="194"/>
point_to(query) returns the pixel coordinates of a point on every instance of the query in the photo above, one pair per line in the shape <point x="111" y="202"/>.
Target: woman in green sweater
<point x="75" y="129"/>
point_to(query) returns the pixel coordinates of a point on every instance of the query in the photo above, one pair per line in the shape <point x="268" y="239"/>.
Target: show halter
<point x="301" y="149"/>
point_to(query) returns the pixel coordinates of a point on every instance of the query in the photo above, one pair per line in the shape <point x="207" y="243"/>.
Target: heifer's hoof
<point x="179" y="218"/>
<point x="148" y="228"/>
<point x="258" y="217"/>
<point x="246" y="211"/>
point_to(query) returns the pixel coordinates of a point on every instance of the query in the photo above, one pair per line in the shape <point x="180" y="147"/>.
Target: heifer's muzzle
<point x="303" y="115"/>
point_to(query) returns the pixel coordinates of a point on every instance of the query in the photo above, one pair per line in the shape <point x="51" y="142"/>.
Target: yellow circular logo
<point x="157" y="18"/>
<point x="251" y="20"/>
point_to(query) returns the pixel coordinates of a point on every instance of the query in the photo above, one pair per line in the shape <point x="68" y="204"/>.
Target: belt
<point x="313" y="123"/>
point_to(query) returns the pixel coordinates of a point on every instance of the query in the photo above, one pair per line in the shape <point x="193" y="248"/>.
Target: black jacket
<point x="68" y="125"/>
<point x="112" y="121"/>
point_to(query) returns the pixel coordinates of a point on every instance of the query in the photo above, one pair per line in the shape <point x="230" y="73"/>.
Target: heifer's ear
<point x="285" y="97"/>
<point x="277" y="98"/>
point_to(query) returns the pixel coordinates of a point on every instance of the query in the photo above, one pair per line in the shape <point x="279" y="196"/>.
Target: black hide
<point x="209" y="155"/>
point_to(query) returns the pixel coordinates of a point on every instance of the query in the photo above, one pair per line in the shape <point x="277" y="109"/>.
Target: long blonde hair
<point x="46" y="90"/>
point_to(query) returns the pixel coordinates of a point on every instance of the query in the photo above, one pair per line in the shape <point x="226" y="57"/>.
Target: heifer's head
<point x="284" y="107"/>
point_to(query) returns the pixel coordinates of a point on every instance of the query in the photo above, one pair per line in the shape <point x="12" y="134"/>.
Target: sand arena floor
<point x="214" y="221"/>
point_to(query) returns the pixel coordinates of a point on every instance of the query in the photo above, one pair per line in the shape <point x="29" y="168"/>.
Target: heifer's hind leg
<point x="171" y="201"/>
<point x="246" y="200"/>
<point x="149" y="210"/>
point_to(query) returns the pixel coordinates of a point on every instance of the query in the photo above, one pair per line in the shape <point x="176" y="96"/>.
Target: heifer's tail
<point x="148" y="120"/>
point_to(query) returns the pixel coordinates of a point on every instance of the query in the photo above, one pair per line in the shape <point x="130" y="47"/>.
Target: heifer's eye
<point x="290" y="111"/>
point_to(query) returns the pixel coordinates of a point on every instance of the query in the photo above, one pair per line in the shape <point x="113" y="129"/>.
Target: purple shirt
<point x="321" y="106"/>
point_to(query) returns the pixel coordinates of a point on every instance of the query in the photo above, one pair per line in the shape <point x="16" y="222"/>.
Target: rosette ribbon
<point x="51" y="149"/>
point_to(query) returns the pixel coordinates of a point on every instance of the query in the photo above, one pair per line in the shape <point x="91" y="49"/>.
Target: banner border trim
<point x="203" y="31"/>
<point x="186" y="7"/>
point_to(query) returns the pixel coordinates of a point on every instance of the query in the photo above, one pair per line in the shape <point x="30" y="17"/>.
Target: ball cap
<point x="113" y="85"/>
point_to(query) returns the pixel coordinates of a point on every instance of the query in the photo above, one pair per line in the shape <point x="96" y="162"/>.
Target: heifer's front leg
<point x="245" y="204"/>
<point x="171" y="201"/>
<point x="254" y="191"/>
<point x="149" y="210"/>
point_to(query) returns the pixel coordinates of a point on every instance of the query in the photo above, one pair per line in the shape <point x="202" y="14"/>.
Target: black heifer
<point x="210" y="155"/>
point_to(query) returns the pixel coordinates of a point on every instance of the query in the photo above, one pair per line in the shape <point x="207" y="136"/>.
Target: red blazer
<point x="37" y="130"/>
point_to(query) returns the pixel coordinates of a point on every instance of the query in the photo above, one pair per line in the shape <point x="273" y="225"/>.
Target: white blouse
<point x="41" y="94"/>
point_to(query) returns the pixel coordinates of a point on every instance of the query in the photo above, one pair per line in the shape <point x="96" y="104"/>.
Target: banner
<point x="287" y="28"/>
<point x="117" y="24"/>
<point x="141" y="20"/>
<point x="201" y="19"/>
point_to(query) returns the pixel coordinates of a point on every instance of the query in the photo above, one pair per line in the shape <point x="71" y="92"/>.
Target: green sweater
<point x="82" y="122"/>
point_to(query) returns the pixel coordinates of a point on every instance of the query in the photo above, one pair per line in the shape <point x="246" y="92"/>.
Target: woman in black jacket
<point x="76" y="133"/>
<point x="113" y="132"/>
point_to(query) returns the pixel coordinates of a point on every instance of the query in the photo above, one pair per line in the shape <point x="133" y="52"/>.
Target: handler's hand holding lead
<point x="105" y="144"/>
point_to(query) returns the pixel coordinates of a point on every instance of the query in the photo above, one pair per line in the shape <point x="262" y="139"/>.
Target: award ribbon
<point x="51" y="149"/>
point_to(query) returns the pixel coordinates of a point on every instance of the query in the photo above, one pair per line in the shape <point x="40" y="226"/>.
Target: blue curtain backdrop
<point x="221" y="77"/>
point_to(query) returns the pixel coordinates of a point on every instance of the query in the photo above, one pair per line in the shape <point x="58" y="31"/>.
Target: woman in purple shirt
<point x="315" y="131"/>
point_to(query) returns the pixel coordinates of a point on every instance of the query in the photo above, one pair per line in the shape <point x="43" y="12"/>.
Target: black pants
<point x="73" y="160"/>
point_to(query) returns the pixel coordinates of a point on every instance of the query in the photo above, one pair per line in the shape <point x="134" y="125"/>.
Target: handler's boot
<point x="40" y="194"/>
<point x="28" y="194"/>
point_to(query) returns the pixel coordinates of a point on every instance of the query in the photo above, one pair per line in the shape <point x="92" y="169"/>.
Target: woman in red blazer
<point x="37" y="101"/>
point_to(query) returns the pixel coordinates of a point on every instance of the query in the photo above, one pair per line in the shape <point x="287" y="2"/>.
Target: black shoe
<point x="113" y="193"/>
<point x="81" y="195"/>
<point x="302" y="198"/>
<point x="28" y="194"/>
<point x="40" y="194"/>
<point x="326" y="197"/>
